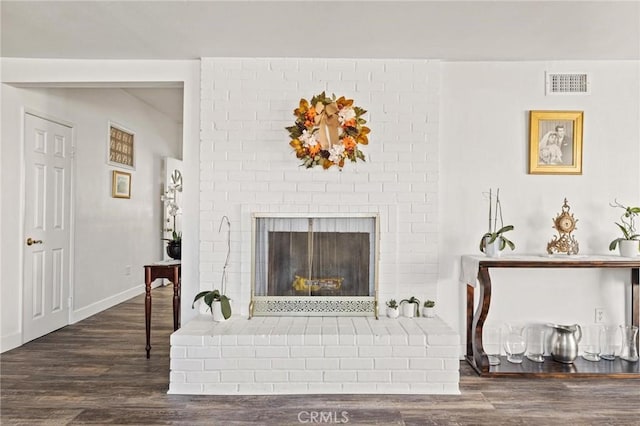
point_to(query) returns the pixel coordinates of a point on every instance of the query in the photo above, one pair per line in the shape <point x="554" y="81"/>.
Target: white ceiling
<point x="449" y="30"/>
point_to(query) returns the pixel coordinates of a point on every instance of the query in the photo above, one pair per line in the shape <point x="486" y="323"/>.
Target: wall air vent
<point x="565" y="83"/>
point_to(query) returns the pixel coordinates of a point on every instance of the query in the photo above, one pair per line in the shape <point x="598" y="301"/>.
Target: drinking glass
<point x="535" y="343"/>
<point x="609" y="342"/>
<point x="515" y="345"/>
<point x="492" y="342"/>
<point x="591" y="342"/>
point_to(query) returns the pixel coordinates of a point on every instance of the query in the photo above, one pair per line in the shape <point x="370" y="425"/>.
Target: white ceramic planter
<point x="408" y="310"/>
<point x="428" y="312"/>
<point x="216" y="310"/>
<point x="629" y="248"/>
<point x="493" y="249"/>
<point x="393" y="312"/>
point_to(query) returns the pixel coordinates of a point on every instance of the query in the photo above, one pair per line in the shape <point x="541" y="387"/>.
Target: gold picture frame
<point x="555" y="142"/>
<point x="120" y="150"/>
<point x="120" y="184"/>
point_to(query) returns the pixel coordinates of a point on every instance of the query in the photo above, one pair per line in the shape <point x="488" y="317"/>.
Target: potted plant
<point x="630" y="240"/>
<point x="493" y="242"/>
<point x="392" y="308"/>
<point x="170" y="199"/>
<point x="410" y="307"/>
<point x="218" y="304"/>
<point x="428" y="309"/>
<point x="174" y="245"/>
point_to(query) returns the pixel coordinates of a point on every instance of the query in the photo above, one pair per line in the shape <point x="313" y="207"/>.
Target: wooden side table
<point x="477" y="267"/>
<point x="170" y="271"/>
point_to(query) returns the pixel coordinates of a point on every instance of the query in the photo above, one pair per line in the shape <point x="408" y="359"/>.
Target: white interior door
<point x="47" y="155"/>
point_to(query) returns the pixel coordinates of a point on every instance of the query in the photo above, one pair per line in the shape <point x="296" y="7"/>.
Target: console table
<point x="477" y="267"/>
<point x="171" y="271"/>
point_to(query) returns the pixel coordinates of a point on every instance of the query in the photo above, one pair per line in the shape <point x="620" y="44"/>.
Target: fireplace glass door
<point x="314" y="265"/>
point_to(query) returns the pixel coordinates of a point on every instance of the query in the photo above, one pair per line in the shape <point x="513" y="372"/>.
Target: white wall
<point x="110" y="234"/>
<point x="248" y="166"/>
<point x="484" y="145"/>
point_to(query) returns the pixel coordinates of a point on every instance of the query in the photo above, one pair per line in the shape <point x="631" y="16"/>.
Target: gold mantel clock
<point x="565" y="224"/>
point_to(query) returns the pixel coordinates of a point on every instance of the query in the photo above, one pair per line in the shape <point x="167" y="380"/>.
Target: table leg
<point x="479" y="356"/>
<point x="147" y="309"/>
<point x="470" y="297"/>
<point x="635" y="298"/>
<point x="176" y="299"/>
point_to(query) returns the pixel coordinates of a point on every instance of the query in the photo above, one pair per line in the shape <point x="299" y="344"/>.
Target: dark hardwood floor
<point x="95" y="372"/>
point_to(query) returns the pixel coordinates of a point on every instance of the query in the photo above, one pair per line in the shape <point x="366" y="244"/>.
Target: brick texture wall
<point x="247" y="165"/>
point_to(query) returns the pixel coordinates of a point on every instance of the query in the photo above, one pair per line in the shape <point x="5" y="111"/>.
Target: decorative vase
<point x="393" y="312"/>
<point x="216" y="310"/>
<point x="629" y="248"/>
<point x="629" y="350"/>
<point x="174" y="249"/>
<point x="493" y="249"/>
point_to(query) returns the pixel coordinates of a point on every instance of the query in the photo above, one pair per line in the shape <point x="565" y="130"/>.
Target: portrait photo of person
<point x="555" y="145"/>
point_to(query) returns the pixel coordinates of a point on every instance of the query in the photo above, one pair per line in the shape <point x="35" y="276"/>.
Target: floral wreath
<point x="327" y="131"/>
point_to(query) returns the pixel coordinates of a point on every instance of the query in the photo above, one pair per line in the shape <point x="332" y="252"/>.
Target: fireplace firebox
<point x="314" y="265"/>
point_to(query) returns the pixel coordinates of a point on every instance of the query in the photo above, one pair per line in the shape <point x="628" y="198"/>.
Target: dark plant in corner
<point x="392" y="304"/>
<point x="626" y="224"/>
<point x="494" y="233"/>
<point x="429" y="304"/>
<point x="415" y="301"/>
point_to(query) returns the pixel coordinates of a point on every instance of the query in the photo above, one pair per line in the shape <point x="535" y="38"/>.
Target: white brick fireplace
<point x="247" y="166"/>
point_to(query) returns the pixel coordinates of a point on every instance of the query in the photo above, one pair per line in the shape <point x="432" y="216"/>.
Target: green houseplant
<point x="410" y="307"/>
<point x="392" y="308"/>
<point x="174" y="245"/>
<point x="211" y="298"/>
<point x="428" y="309"/>
<point x="630" y="240"/>
<point x="493" y="241"/>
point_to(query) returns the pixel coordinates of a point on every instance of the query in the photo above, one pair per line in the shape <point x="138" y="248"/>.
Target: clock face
<point x="565" y="224"/>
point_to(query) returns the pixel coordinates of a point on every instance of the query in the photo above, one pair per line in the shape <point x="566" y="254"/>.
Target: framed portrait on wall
<point x="121" y="146"/>
<point x="555" y="142"/>
<point x="120" y="184"/>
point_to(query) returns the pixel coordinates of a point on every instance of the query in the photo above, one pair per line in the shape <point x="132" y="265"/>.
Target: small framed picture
<point x="555" y="142"/>
<point x="121" y="184"/>
<point x="120" y="150"/>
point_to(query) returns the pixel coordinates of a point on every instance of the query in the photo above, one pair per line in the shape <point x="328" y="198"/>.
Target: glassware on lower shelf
<point x="515" y="344"/>
<point x="535" y="343"/>
<point x="591" y="346"/>
<point x="492" y="343"/>
<point x="629" y="350"/>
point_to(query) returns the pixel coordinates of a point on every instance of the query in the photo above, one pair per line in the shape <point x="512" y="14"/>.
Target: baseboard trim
<point x="109" y="302"/>
<point x="11" y="341"/>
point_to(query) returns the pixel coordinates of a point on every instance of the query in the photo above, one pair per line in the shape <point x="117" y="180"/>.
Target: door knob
<point x="31" y="241"/>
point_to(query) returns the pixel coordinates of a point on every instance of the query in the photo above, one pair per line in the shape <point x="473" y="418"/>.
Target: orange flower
<point x="313" y="150"/>
<point x="349" y="143"/>
<point x="350" y="123"/>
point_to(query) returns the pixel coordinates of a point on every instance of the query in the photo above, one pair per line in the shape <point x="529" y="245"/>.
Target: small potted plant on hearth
<point x="410" y="307"/>
<point x="218" y="304"/>
<point x="493" y="242"/>
<point x="629" y="243"/>
<point x="428" y="309"/>
<point x="392" y="309"/>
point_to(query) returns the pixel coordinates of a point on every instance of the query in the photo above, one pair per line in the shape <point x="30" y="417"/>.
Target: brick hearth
<point x="284" y="355"/>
